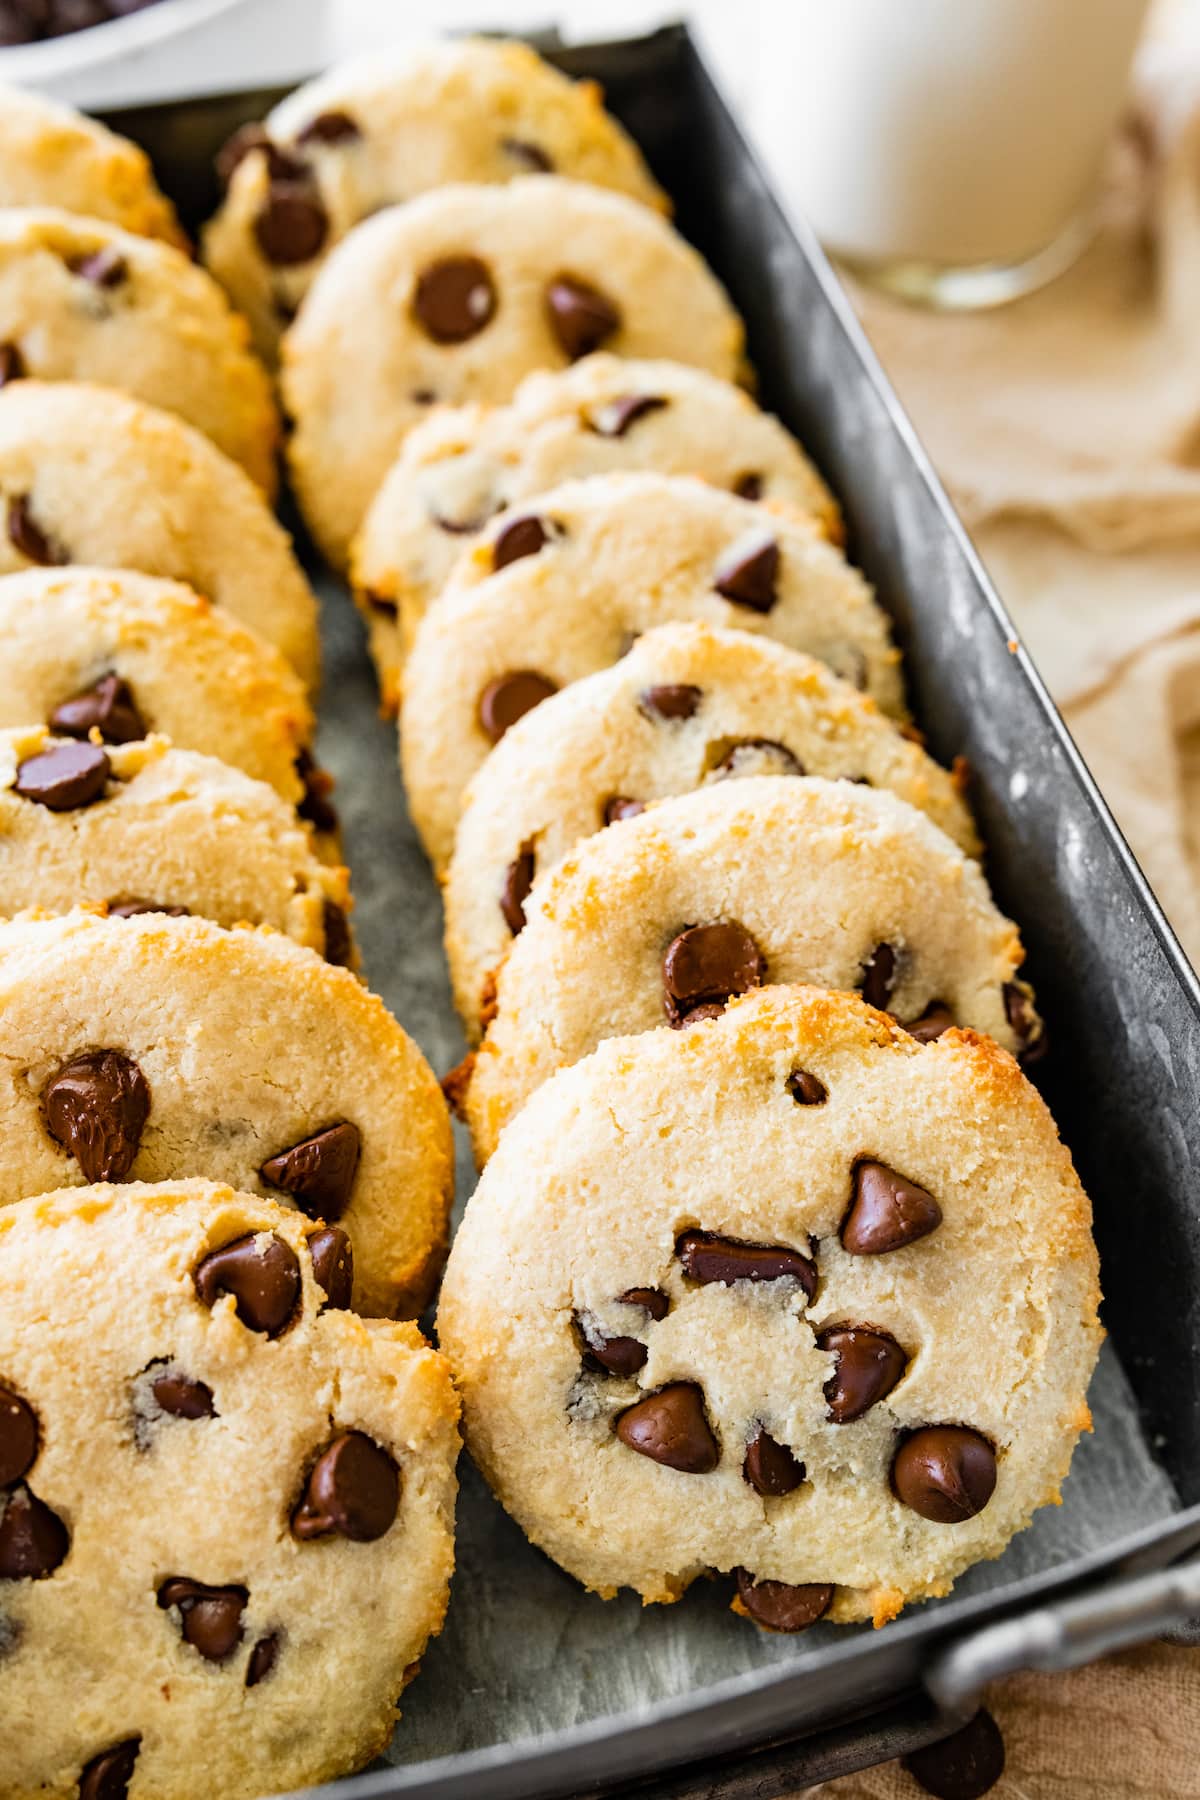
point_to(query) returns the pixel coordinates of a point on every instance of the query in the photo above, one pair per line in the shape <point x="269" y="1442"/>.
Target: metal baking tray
<point x="536" y="1689"/>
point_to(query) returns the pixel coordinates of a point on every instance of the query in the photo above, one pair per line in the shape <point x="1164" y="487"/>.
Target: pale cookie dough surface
<point x="993" y="1310"/>
<point x="147" y="1496"/>
<point x="83" y="301"/>
<point x="89" y="475"/>
<point x="384" y="128"/>
<point x="449" y="299"/>
<point x="618" y="555"/>
<point x="820" y="876"/>
<point x="249" y="1046"/>
<point x="160" y="829"/>
<point x="689" y="706"/>
<point x="51" y="155"/>
<point x="463" y="465"/>
<point x="191" y="670"/>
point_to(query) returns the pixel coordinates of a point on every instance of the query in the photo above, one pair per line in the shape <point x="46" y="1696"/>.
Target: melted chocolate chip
<point x="12" y="364"/>
<point x="614" y="417"/>
<point x="333" y="127"/>
<point x="677" y="701"/>
<point x="315" y="806"/>
<point x="1028" y="1028"/>
<point x="878" y="976"/>
<point x="947" y="1473"/>
<point x="333" y="1265"/>
<point x="27" y="536"/>
<point x="455" y="299"/>
<point x="670" y="1427"/>
<point x="181" y="1396"/>
<point x="33" y="1540"/>
<point x="260" y="1270"/>
<point x="318" y="1172"/>
<point x="749" y="572"/>
<point x="964" y="1766"/>
<point x="338" y="948"/>
<point x="778" y="1606"/>
<point x="107" y="707"/>
<point x="749" y="486"/>
<point x="528" y="156"/>
<point x="936" y="1019"/>
<point x="262" y="1659"/>
<point x="886" y="1212"/>
<point x="621" y="807"/>
<point x="280" y="166"/>
<point x="210" y="1618"/>
<point x="615" y="1355"/>
<point x="96" y="1106"/>
<point x="136" y="905"/>
<point x="509" y="697"/>
<point x="291" y="225"/>
<point x="518" y="880"/>
<point x="805" y="1089"/>
<point x="867" y="1366"/>
<point x="65" y="777"/>
<point x="707" y="1258"/>
<point x="769" y="1466"/>
<point x="706" y="965"/>
<point x="581" y="317"/>
<point x="18" y="1437"/>
<point x="353" y="1489"/>
<point x="520" y="538"/>
<point x="651" y="1300"/>
<point x="756" y="756"/>
<point x="104" y="268"/>
<point x="107" y="1776"/>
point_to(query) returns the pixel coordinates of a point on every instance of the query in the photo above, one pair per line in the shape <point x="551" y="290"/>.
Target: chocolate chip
<point x="33" y="1540"/>
<point x="878" y="976"/>
<point x="353" y="1489"/>
<point x="670" y="1427"/>
<point x="260" y="1270"/>
<point x="315" y="805"/>
<point x="209" y="1617"/>
<point x="778" y="1606"/>
<point x="867" y="1366"/>
<point x="886" y="1211"/>
<point x="706" y="965"/>
<point x="27" y="536"/>
<point x="805" y="1089"/>
<point x="749" y="572"/>
<point x="947" y="1473"/>
<point x="104" y="268"/>
<point x="333" y="1265"/>
<point x="135" y="906"/>
<point x="65" y="777"/>
<point x="651" y="1300"/>
<point x="338" y="948"/>
<point x="334" y="127"/>
<point x="280" y="166"/>
<point x="519" y="538"/>
<point x="262" y="1659"/>
<point x="455" y="299"/>
<point x="529" y="156"/>
<point x="107" y="707"/>
<point x="12" y="364"/>
<point x="674" y="701"/>
<point x="518" y="880"/>
<point x="615" y="1355"/>
<point x="769" y="1466"/>
<point x="707" y="1258"/>
<point x="1028" y="1028"/>
<point x="756" y="756"/>
<point x="621" y="807"/>
<point x="181" y="1396"/>
<point x="291" y="225"/>
<point x="964" y="1766"/>
<point x="749" y="486"/>
<point x="318" y="1172"/>
<point x="614" y="417"/>
<point x="933" y="1021"/>
<point x="509" y="697"/>
<point x="96" y="1106"/>
<point x="107" y="1776"/>
<point x="581" y="317"/>
<point x="18" y="1437"/>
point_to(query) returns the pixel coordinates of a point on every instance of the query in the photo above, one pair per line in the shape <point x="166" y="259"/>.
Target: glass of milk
<point x="948" y="150"/>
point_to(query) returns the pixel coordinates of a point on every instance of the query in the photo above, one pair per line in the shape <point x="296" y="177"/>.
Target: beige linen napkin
<point x="1067" y="429"/>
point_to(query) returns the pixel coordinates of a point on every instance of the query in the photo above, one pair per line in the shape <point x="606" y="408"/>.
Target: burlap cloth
<point x="1067" y="429"/>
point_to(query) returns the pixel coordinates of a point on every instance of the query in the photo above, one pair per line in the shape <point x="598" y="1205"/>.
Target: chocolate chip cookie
<point x="703" y="897"/>
<point x="560" y="588"/>
<point x="383" y="128"/>
<point x="140" y="827"/>
<point x="463" y="465"/>
<point x="84" y="301"/>
<point x="51" y="155"/>
<point x="91" y="476"/>
<point x="226" y="1504"/>
<point x="689" y="706"/>
<point x="148" y="1047"/>
<point x="789" y="1295"/>
<point x="460" y="294"/>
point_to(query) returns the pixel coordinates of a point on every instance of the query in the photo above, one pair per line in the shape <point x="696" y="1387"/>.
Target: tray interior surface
<point x="525" y="1652"/>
